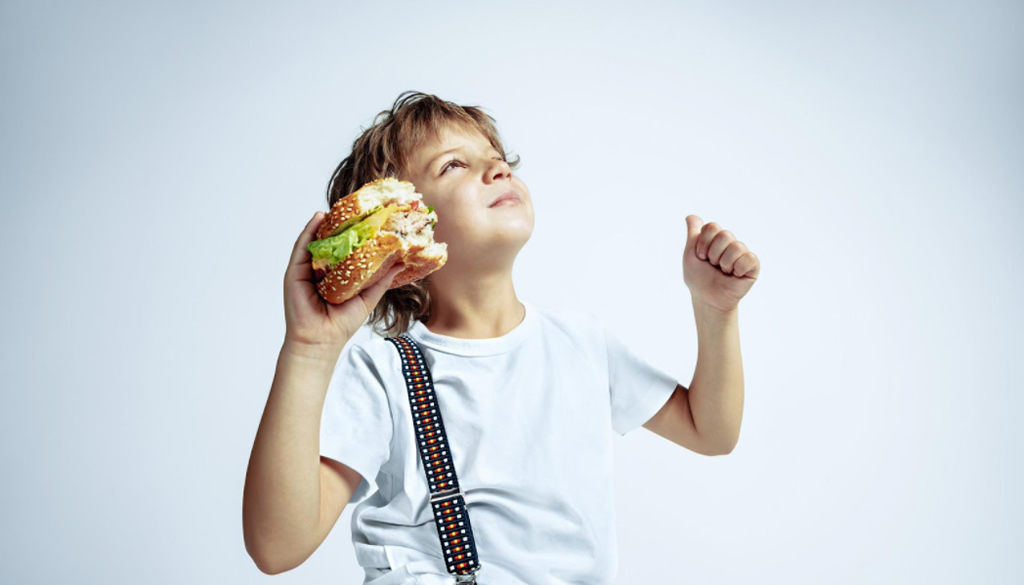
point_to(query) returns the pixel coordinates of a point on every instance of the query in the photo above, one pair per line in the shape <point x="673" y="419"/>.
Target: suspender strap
<point x="446" y="497"/>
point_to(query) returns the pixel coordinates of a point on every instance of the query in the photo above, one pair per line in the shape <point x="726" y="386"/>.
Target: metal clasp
<point x="446" y="495"/>
<point x="470" y="578"/>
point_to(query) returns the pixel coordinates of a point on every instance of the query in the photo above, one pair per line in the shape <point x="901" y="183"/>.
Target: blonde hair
<point x="384" y="150"/>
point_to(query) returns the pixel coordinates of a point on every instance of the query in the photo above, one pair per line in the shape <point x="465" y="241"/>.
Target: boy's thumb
<point x="373" y="293"/>
<point x="395" y="271"/>
<point x="693" y="226"/>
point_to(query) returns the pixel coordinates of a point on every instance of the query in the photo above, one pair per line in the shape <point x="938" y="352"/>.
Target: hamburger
<point x="366" y="232"/>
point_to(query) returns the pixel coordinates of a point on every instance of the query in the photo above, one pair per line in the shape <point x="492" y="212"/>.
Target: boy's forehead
<point x="452" y="136"/>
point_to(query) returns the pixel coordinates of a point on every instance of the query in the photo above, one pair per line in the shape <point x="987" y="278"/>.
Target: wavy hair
<point x="384" y="150"/>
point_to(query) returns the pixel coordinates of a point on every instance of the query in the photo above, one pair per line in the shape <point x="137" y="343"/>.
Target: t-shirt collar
<point x="477" y="347"/>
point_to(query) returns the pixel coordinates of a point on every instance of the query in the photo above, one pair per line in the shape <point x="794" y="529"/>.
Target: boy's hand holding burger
<point x="311" y="321"/>
<point x="377" y="238"/>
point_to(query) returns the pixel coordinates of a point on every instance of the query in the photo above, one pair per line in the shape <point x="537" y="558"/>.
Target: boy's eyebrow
<point x="439" y="155"/>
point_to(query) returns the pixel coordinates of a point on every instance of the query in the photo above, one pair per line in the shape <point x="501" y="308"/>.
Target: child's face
<point x="461" y="186"/>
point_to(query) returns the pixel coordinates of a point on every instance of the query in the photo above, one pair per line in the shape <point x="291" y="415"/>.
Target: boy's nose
<point x="501" y="171"/>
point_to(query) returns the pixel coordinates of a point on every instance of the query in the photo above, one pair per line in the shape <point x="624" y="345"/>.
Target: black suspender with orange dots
<point x="446" y="498"/>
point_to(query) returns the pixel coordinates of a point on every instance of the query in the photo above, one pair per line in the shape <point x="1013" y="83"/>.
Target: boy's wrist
<point x="313" y="353"/>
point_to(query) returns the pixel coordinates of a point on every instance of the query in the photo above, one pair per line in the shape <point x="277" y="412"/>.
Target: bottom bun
<point x="421" y="263"/>
<point x="370" y="262"/>
<point x="364" y="266"/>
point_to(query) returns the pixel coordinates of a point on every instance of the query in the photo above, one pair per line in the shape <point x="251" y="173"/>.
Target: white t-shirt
<point x="529" y="418"/>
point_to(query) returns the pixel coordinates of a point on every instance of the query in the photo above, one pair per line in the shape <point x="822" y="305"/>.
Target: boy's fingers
<point x="300" y="255"/>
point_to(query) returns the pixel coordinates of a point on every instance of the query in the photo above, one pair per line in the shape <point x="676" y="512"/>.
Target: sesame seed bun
<point x="355" y="206"/>
<point x="406" y="235"/>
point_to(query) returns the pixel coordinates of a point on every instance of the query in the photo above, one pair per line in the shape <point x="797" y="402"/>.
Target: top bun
<point x="348" y="210"/>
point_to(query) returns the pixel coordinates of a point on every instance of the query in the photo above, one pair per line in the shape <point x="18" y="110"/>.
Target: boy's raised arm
<point x="281" y="506"/>
<point x="284" y="516"/>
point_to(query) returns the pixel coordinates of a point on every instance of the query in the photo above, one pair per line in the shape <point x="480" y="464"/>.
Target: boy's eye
<point x="455" y="160"/>
<point x="445" y="167"/>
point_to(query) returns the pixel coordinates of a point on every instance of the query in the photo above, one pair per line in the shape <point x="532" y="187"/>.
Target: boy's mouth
<point x="511" y="196"/>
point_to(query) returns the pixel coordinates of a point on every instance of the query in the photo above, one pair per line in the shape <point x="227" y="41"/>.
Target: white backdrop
<point x="159" y="162"/>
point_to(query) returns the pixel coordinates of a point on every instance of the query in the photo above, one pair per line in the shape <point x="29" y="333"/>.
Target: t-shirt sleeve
<point x="356" y="424"/>
<point x="637" y="389"/>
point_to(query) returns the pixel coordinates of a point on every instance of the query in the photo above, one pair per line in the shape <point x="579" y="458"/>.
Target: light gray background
<point x="159" y="162"/>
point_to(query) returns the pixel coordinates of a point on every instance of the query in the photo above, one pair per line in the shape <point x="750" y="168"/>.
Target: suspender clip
<point x="446" y="495"/>
<point x="468" y="578"/>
